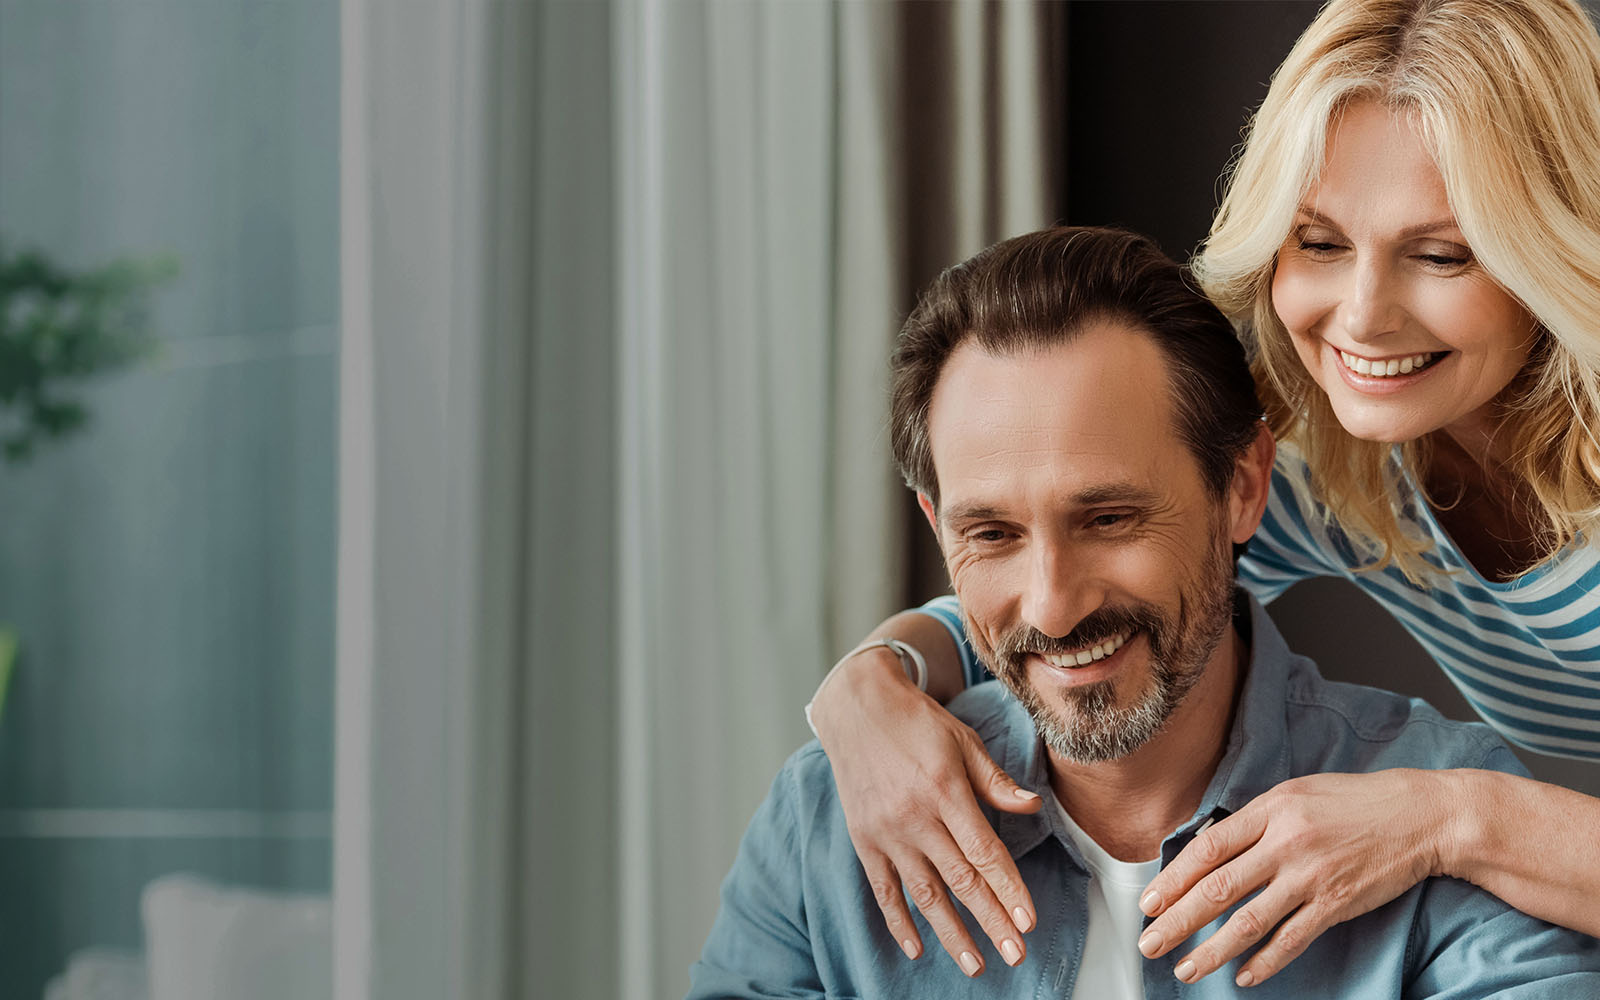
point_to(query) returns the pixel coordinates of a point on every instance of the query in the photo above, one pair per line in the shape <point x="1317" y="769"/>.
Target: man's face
<point x="1091" y="562"/>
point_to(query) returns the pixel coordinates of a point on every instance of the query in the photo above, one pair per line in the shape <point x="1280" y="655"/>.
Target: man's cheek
<point x="957" y="559"/>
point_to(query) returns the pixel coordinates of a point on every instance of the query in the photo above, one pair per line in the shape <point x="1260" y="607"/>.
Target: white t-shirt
<point x="1112" y="966"/>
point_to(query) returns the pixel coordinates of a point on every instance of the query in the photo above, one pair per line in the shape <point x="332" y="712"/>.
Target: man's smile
<point x="1088" y="654"/>
<point x="1063" y="671"/>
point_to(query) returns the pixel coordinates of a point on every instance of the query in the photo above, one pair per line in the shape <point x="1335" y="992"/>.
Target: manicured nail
<point x="1149" y="903"/>
<point x="1186" y="970"/>
<point x="969" y="963"/>
<point x="1150" y="944"/>
<point x="1023" y="793"/>
<point x="1012" y="953"/>
<point x="1246" y="978"/>
<point x="910" y="948"/>
<point x="1024" y="919"/>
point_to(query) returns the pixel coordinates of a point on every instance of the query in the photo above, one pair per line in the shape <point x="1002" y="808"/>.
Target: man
<point x="1084" y="438"/>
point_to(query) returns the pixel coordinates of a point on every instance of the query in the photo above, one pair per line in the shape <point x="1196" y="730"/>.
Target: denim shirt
<point x="799" y="920"/>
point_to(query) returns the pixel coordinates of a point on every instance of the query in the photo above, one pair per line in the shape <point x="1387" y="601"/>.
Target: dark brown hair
<point x="1045" y="287"/>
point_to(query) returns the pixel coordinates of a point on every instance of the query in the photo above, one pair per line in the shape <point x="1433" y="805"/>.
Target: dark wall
<point x="1157" y="95"/>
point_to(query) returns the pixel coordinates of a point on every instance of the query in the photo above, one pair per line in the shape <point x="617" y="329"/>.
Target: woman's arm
<point x="1328" y="847"/>
<point x="909" y="775"/>
<point x="1534" y="845"/>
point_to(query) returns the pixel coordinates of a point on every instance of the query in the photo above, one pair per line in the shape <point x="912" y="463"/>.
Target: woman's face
<point x="1390" y="312"/>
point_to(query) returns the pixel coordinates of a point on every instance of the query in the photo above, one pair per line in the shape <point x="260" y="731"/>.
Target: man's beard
<point x="1094" y="727"/>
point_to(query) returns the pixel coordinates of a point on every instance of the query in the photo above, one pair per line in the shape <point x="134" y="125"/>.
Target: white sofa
<point x="205" y="941"/>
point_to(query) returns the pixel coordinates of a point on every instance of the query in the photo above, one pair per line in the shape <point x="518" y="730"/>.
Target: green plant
<point x="8" y="656"/>
<point x="58" y="327"/>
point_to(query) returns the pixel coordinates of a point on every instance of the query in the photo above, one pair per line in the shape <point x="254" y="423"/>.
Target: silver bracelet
<point x="911" y="662"/>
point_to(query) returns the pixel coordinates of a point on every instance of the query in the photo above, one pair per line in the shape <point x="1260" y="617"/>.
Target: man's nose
<point x="1062" y="589"/>
<point x="1368" y="304"/>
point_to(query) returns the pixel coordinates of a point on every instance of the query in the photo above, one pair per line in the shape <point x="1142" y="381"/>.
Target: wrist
<point x="1467" y="801"/>
<point x="865" y="676"/>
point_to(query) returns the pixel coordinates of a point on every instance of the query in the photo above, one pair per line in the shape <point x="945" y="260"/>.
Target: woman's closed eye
<point x="1444" y="262"/>
<point x="1317" y="248"/>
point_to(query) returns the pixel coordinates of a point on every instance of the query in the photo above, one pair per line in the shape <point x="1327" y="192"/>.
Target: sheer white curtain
<point x="725" y="143"/>
<point x="619" y="286"/>
<point x="432" y="499"/>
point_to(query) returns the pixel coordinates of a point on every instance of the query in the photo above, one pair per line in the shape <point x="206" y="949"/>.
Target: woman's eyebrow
<point x="1311" y="215"/>
<point x="1424" y="228"/>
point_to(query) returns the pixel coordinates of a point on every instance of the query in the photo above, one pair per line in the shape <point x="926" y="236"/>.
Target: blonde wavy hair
<point x="1506" y="94"/>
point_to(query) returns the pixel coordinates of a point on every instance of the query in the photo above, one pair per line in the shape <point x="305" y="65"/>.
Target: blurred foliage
<point x="58" y="327"/>
<point x="8" y="656"/>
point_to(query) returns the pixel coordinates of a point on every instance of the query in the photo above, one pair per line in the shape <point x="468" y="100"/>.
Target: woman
<point x="1410" y="243"/>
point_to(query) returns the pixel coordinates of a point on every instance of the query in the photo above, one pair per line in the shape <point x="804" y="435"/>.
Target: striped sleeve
<point x="948" y="612"/>
<point x="1525" y="653"/>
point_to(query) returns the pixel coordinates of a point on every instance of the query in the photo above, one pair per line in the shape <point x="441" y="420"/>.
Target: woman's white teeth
<point x="1383" y="369"/>
<point x="1087" y="656"/>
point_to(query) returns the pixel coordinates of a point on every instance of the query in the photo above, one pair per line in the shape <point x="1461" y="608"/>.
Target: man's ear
<point x="1252" y="484"/>
<point x="928" y="512"/>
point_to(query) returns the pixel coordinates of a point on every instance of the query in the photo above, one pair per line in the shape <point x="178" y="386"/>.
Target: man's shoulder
<point x="992" y="712"/>
<point x="1336" y="726"/>
<point x="1002" y="723"/>
<point x="805" y="788"/>
<point x="806" y="774"/>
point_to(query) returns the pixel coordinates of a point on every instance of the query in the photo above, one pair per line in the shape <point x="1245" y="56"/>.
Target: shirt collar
<point x="1256" y="758"/>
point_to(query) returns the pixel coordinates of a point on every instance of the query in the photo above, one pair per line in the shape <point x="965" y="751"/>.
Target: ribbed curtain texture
<point x="620" y="283"/>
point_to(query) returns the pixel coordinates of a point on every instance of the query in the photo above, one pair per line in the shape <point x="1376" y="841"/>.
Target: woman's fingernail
<point x="910" y="948"/>
<point x="1012" y="953"/>
<point x="1185" y="970"/>
<point x="1023" y="793"/>
<point x="1024" y="919"/>
<point x="1150" y="944"/>
<point x="1149" y="903"/>
<point x="969" y="963"/>
<point x="1246" y="978"/>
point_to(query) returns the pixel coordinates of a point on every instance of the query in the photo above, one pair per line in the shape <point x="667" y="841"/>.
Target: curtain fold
<point x="725" y="245"/>
<point x="432" y="504"/>
<point x="620" y="285"/>
<point x="566" y="870"/>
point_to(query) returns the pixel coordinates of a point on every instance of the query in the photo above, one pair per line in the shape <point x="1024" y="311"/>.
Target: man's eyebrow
<point x="1115" y="493"/>
<point x="1129" y="493"/>
<point x="972" y="512"/>
<point x="1409" y="232"/>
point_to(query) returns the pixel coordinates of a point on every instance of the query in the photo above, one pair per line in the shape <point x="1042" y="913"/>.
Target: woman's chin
<point x="1378" y="424"/>
<point x="1382" y="436"/>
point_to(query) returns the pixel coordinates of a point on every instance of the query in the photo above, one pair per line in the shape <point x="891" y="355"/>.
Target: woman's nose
<point x="1368" y="307"/>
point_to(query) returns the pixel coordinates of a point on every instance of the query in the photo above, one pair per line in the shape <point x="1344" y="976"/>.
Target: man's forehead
<point x="1094" y="407"/>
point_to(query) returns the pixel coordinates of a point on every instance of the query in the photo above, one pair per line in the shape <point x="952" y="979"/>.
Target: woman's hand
<point x="908" y="772"/>
<point x="1321" y="848"/>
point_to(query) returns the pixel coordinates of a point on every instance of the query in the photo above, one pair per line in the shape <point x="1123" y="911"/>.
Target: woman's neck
<point x="1481" y="502"/>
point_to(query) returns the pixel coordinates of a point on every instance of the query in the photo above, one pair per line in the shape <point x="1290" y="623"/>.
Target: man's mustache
<point x="1095" y="628"/>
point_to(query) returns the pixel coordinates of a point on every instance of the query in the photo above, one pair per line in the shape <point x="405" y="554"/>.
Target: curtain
<point x="620" y="283"/>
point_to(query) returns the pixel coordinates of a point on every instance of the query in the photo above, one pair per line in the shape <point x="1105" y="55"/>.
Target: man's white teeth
<point x="1383" y="369"/>
<point x="1087" y="656"/>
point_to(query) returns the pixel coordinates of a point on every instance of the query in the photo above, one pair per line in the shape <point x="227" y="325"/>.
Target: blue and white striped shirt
<point x="1525" y="653"/>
